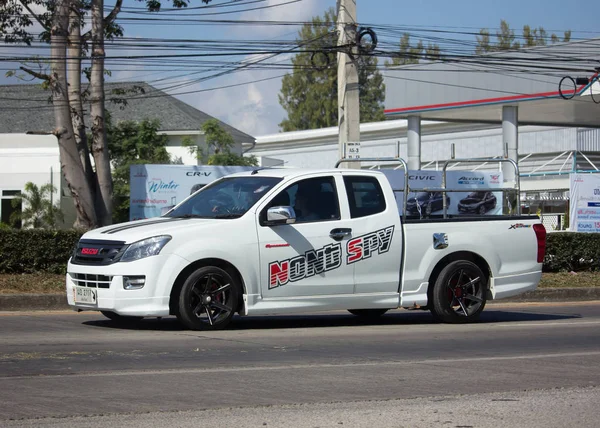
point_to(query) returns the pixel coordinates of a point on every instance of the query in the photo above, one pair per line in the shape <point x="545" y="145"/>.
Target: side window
<point x="364" y="196"/>
<point x="314" y="199"/>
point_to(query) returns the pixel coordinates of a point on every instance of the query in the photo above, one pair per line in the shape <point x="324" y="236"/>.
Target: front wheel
<point x="208" y="299"/>
<point x="459" y="293"/>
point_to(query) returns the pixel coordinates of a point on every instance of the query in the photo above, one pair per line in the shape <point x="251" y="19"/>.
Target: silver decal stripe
<point x="146" y="223"/>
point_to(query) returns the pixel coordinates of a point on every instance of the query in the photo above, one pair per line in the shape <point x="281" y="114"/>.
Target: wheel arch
<point x="187" y="271"/>
<point x="446" y="260"/>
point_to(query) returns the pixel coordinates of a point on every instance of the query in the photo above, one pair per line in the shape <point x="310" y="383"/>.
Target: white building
<point x="26" y="154"/>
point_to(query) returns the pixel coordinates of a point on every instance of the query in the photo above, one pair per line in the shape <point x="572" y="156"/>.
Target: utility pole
<point x="348" y="99"/>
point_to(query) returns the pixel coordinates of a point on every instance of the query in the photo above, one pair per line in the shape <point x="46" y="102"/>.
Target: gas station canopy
<point x="476" y="88"/>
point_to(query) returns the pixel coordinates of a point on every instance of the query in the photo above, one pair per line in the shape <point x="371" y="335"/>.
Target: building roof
<point x="26" y="108"/>
<point x="474" y="89"/>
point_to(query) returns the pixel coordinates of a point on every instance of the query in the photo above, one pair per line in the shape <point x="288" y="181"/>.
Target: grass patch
<point x="32" y="283"/>
<point x="47" y="283"/>
<point x="566" y="279"/>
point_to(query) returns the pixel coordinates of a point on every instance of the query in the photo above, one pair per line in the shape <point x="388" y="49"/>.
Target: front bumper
<point x="468" y="209"/>
<point x="160" y="273"/>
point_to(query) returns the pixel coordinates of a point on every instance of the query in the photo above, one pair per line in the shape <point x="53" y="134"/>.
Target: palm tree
<point x="36" y="208"/>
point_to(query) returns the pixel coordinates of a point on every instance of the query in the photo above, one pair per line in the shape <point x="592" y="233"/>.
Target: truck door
<point x="305" y="258"/>
<point x="375" y="248"/>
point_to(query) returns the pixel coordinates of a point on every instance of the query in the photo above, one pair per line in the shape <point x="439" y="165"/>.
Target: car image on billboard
<point x="477" y="202"/>
<point x="425" y="203"/>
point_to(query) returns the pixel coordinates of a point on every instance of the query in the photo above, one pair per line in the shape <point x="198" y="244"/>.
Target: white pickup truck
<point x="282" y="241"/>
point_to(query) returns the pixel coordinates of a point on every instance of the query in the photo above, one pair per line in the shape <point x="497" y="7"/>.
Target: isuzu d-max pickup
<point x="283" y="241"/>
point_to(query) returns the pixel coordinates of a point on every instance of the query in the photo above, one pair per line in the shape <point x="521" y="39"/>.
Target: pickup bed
<point x="281" y="241"/>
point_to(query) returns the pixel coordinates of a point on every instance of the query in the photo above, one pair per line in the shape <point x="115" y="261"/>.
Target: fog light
<point x="134" y="282"/>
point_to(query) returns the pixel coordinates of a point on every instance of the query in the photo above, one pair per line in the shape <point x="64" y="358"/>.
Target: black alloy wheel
<point x="208" y="299"/>
<point x="459" y="293"/>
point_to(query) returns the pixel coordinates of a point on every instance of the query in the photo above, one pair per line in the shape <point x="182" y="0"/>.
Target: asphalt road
<point x="325" y="370"/>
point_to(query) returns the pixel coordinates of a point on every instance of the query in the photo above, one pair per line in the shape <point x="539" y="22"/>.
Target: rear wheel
<point x="459" y="293"/>
<point x="208" y="299"/>
<point x="368" y="313"/>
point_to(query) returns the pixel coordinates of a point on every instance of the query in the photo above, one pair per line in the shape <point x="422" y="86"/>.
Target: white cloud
<point x="300" y="11"/>
<point x="255" y="108"/>
<point x="252" y="108"/>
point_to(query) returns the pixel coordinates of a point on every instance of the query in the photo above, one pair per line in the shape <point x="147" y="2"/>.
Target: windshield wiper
<point x="188" y="216"/>
<point x="227" y="216"/>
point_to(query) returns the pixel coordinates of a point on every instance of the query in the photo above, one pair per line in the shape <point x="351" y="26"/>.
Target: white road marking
<point x="564" y="355"/>
<point x="549" y="324"/>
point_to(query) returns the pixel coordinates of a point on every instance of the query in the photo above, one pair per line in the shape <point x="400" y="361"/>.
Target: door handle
<point x="340" y="233"/>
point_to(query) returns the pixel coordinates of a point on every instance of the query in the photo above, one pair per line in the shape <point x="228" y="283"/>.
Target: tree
<point x="408" y="54"/>
<point x="132" y="143"/>
<point x="61" y="22"/>
<point x="37" y="209"/>
<point x="309" y="93"/>
<point x="218" y="147"/>
<point x="506" y="39"/>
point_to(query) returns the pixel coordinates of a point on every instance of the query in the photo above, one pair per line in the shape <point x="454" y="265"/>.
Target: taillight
<point x="540" y="234"/>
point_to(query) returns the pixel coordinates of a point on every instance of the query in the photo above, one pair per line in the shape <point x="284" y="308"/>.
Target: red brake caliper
<point x="457" y="292"/>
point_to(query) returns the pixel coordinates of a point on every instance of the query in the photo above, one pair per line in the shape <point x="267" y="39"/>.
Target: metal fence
<point x="554" y="222"/>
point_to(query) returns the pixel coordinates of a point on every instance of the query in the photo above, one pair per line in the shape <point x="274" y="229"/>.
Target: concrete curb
<point x="566" y="294"/>
<point x="58" y="302"/>
<point x="33" y="302"/>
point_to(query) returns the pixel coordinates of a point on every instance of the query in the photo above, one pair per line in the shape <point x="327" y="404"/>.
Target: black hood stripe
<point x="141" y="224"/>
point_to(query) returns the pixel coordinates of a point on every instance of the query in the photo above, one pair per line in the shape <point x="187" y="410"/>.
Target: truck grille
<point x="91" y="280"/>
<point x="98" y="253"/>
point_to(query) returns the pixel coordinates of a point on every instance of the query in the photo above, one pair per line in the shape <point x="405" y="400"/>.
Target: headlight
<point x="145" y="248"/>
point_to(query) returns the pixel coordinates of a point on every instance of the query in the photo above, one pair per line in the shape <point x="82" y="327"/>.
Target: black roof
<point x="25" y="108"/>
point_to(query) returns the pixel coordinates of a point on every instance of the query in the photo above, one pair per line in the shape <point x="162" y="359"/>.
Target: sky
<point x="248" y="98"/>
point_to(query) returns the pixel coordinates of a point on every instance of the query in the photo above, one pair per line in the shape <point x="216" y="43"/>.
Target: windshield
<point x="226" y="198"/>
<point x="475" y="195"/>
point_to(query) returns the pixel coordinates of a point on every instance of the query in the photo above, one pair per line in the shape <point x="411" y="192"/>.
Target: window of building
<point x="7" y="208"/>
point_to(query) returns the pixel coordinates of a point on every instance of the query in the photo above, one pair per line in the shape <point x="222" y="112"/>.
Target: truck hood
<point x="140" y="229"/>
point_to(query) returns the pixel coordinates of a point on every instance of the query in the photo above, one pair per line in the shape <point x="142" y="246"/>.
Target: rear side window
<point x="364" y="196"/>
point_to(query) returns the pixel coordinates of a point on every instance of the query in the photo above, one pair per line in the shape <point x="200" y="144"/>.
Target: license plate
<point x="85" y="295"/>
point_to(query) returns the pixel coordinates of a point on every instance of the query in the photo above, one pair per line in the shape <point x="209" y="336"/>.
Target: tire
<point x="121" y="319"/>
<point x="459" y="293"/>
<point x="368" y="313"/>
<point x="208" y="299"/>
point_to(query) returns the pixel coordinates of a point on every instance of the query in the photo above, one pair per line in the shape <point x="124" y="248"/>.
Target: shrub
<point x="571" y="251"/>
<point x="39" y="250"/>
<point x="36" y="250"/>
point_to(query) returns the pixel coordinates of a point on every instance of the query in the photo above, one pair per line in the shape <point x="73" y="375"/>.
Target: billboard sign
<point x="155" y="189"/>
<point x="585" y="203"/>
<point x="471" y="201"/>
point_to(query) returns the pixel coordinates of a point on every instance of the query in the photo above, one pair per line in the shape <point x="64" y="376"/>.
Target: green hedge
<point x="36" y="250"/>
<point x="570" y="251"/>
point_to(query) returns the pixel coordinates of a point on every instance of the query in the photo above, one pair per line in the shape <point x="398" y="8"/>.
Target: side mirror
<point x="281" y="215"/>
